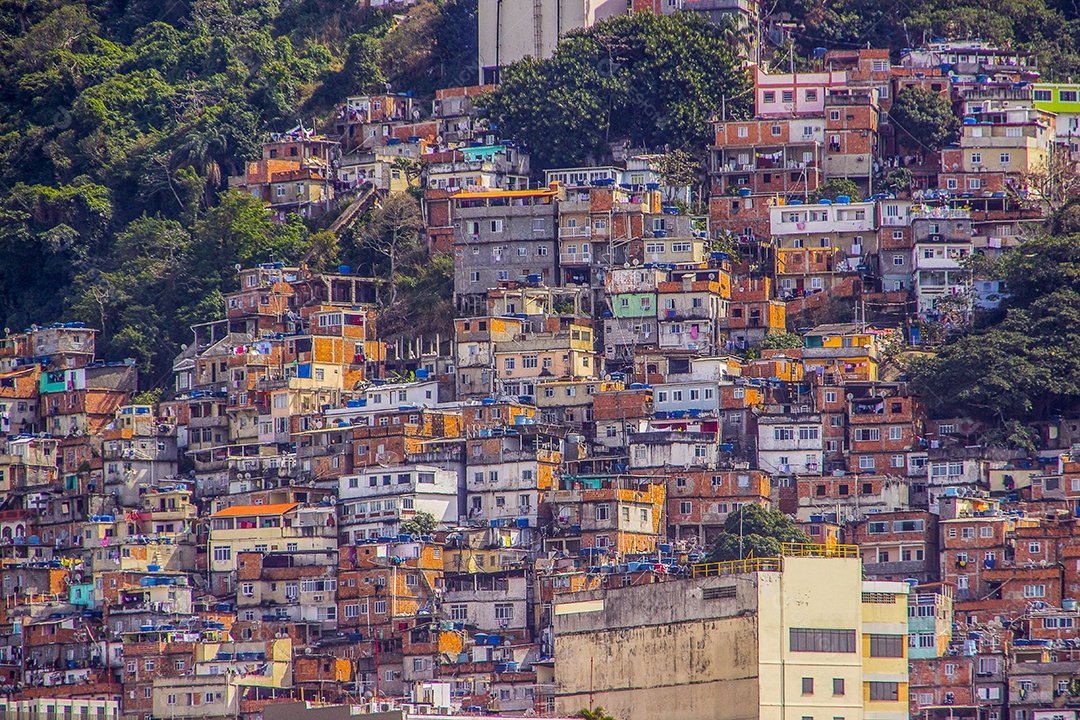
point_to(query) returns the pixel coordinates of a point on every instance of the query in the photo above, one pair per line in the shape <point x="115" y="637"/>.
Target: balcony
<point x="575" y="258"/>
<point x="583" y="231"/>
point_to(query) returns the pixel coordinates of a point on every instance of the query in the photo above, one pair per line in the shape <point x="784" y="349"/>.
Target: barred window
<point x="891" y="646"/>
<point x="876" y="597"/>
<point x="716" y="593"/>
<point x="809" y="640"/>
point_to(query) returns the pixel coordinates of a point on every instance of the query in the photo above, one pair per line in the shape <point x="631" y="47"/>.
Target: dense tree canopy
<point x="120" y="122"/>
<point x="642" y="79"/>
<point x="924" y="117"/>
<point x="753" y="531"/>
<point x="1048" y="28"/>
<point x="1020" y="363"/>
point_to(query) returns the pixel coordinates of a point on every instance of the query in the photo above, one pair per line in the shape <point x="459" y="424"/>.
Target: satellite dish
<point x="636" y="262"/>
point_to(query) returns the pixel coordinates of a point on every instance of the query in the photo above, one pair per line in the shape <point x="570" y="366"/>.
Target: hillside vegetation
<point x="120" y="121"/>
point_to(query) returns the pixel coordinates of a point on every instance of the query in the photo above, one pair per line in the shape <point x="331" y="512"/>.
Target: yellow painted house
<point x="884" y="650"/>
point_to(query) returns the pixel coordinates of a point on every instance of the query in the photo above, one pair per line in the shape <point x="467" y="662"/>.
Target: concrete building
<point x="790" y="444"/>
<point x="510" y="31"/>
<point x="500" y="236"/>
<point x="375" y="504"/>
<point x="773" y="638"/>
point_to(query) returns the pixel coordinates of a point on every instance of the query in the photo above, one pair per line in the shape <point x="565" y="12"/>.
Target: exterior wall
<point x="745" y="667"/>
<point x="882" y="617"/>
<point x="510" y="33"/>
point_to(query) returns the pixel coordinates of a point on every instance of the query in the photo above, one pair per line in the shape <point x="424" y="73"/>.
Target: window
<point x="867" y="434"/>
<point x="148" y="665"/>
<point x="222" y="554"/>
<point x="768" y="96"/>
<point x="891" y="646"/>
<point x="866" y="462"/>
<point x="1034" y="591"/>
<point x="380" y="607"/>
<point x="1003" y="158"/>
<point x="1067" y="95"/>
<point x="504" y="611"/>
<point x="808" y="686"/>
<point x="459" y="612"/>
<point x="603" y="511"/>
<point x="812" y="640"/>
<point x="1043" y="96"/>
<point x="884" y="691"/>
<point x="1034" y="548"/>
<point x="976" y="158"/>
<point x="685" y="508"/>
<point x="811" y="96"/>
<point x="787" y="96"/>
<point x="838" y="686"/>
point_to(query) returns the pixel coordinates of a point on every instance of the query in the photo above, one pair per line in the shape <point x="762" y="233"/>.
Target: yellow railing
<point x="752" y="564"/>
<point x="732" y="567"/>
<point x="820" y="550"/>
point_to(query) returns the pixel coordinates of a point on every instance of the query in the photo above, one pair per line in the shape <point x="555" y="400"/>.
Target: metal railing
<point x="733" y="567"/>
<point x="774" y="564"/>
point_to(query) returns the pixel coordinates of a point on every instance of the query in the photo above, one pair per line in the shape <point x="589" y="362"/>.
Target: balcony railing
<point x="583" y="231"/>
<point x="575" y="258"/>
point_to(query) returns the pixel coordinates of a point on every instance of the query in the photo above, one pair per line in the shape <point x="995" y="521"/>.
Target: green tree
<point x="596" y="713"/>
<point x="896" y="181"/>
<point x="834" y="188"/>
<point x="421" y="523"/>
<point x="642" y="79"/>
<point x="924" y="118"/>
<point x="781" y="341"/>
<point x="1016" y="364"/>
<point x="753" y="531"/>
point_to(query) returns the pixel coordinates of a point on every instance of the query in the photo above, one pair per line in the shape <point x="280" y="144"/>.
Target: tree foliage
<point x="642" y="79"/>
<point x="834" y="188"/>
<point x="120" y="122"/>
<point x="1019" y="363"/>
<point x="924" y="118"/>
<point x="596" y="713"/>
<point x="781" y="341"/>
<point x="421" y="523"/>
<point x="753" y="531"/>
